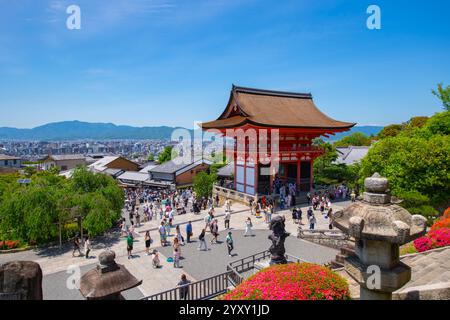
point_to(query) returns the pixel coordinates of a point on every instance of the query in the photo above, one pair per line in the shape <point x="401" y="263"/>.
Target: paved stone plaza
<point x="196" y="264"/>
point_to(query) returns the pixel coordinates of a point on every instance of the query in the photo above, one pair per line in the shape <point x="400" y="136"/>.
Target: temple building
<point x="273" y="133"/>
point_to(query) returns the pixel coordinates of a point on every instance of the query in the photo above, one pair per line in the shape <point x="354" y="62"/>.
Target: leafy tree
<point x="417" y="122"/>
<point x="391" y="130"/>
<point x="355" y="139"/>
<point x="444" y="95"/>
<point x="166" y="155"/>
<point x="35" y="212"/>
<point x="412" y="163"/>
<point x="151" y="157"/>
<point x="439" y="124"/>
<point x="29" y="171"/>
<point x="203" y="183"/>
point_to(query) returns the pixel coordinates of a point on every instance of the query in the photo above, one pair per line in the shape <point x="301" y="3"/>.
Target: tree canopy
<point x="203" y="183"/>
<point x="355" y="139"/>
<point x="443" y="94"/>
<point x="166" y="155"/>
<point x="33" y="212"/>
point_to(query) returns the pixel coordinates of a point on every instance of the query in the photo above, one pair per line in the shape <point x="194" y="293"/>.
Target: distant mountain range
<point x="367" y="130"/>
<point x="77" y="130"/>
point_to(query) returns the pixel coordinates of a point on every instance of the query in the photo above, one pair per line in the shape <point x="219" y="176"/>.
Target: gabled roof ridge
<point x="271" y="92"/>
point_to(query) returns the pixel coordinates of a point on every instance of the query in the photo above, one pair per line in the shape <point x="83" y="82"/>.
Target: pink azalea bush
<point x="436" y="238"/>
<point x="294" y="281"/>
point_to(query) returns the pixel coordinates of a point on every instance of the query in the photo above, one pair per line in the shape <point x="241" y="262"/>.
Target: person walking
<point x="188" y="231"/>
<point x="353" y="196"/>
<point x="312" y="222"/>
<point x="130" y="245"/>
<point x="299" y="215"/>
<point x="202" y="240"/>
<point x="230" y="244"/>
<point x="124" y="228"/>
<point x="176" y="258"/>
<point x="162" y="234"/>
<point x="227" y="220"/>
<point x="248" y="227"/>
<point x="330" y="216"/>
<point x="167" y="227"/>
<point x="294" y="215"/>
<point x="184" y="287"/>
<point x="176" y="245"/>
<point x="87" y="247"/>
<point x="155" y="259"/>
<point x="214" y="231"/>
<point x="228" y="205"/>
<point x="148" y="241"/>
<point x="76" y="246"/>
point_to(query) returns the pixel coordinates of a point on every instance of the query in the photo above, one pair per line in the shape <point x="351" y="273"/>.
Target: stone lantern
<point x="379" y="228"/>
<point x="107" y="280"/>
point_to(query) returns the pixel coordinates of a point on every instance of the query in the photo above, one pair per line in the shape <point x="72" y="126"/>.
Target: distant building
<point x="139" y="179"/>
<point x="148" y="166"/>
<point x="113" y="162"/>
<point x="351" y="154"/>
<point x="178" y="174"/>
<point x="63" y="162"/>
<point x="226" y="171"/>
<point x="10" y="162"/>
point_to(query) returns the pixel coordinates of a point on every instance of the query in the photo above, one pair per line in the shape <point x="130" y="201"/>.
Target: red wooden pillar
<point x="311" y="176"/>
<point x="235" y="164"/>
<point x="298" y="171"/>
<point x="256" y="177"/>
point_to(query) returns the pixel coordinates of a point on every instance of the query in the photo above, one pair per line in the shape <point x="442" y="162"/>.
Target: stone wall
<point x="330" y="238"/>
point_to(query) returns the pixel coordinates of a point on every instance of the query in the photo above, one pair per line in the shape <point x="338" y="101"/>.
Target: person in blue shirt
<point x="188" y="232"/>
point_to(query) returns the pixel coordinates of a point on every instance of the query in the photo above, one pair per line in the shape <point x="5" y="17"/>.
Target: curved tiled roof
<point x="273" y="109"/>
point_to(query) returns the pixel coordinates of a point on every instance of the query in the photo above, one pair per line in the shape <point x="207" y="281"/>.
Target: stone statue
<point x="278" y="237"/>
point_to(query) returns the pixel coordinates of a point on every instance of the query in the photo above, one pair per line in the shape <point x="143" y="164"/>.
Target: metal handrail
<point x="200" y="290"/>
<point x="217" y="285"/>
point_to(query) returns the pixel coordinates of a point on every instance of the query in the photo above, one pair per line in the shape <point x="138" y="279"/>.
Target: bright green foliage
<point x="439" y="124"/>
<point x="166" y="155"/>
<point x="326" y="172"/>
<point x="444" y="95"/>
<point x="151" y="157"/>
<point x="418" y="203"/>
<point x="355" y="139"/>
<point x="32" y="213"/>
<point x="203" y="183"/>
<point x="417" y="160"/>
<point x="391" y="130"/>
<point x="417" y="122"/>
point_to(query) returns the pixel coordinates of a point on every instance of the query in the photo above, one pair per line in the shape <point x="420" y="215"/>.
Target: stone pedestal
<point x="379" y="228"/>
<point x="20" y="280"/>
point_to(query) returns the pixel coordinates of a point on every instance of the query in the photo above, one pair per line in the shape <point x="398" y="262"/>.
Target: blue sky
<point x="170" y="62"/>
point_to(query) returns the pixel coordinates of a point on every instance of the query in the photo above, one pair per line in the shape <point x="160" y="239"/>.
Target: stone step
<point x="444" y="277"/>
<point x="340" y="258"/>
<point x="420" y="262"/>
<point x="348" y="251"/>
<point x="431" y="277"/>
<point x="336" y="265"/>
<point x="421" y="276"/>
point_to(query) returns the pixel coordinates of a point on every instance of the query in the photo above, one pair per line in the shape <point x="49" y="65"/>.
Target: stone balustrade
<point x="225" y="193"/>
<point x="330" y="238"/>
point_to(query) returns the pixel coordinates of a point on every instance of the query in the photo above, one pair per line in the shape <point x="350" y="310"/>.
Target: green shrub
<point x="427" y="211"/>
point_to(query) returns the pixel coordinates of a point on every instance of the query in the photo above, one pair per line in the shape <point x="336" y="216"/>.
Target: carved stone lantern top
<point x="376" y="218"/>
<point x="108" y="279"/>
